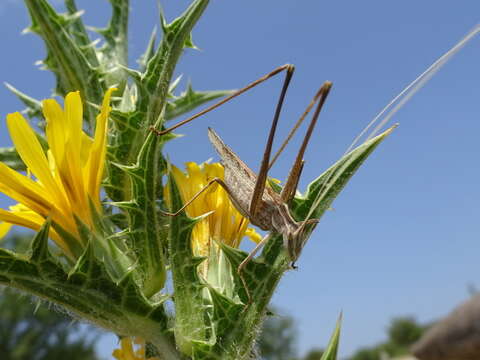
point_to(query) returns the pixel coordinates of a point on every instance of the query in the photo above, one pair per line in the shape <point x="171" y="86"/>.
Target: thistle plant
<point x="88" y="179"/>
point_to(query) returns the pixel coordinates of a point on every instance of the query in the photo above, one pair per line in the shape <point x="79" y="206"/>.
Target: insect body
<point x="272" y="214"/>
<point x="258" y="202"/>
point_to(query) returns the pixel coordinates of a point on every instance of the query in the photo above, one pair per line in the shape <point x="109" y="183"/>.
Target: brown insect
<point x="249" y="193"/>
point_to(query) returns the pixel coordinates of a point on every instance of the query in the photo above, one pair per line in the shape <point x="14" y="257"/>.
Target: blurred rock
<point x="457" y="337"/>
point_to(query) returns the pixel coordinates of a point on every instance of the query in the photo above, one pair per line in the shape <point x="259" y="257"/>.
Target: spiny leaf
<point x="262" y="276"/>
<point x="114" y="57"/>
<point x="189" y="43"/>
<point x="121" y="152"/>
<point x="128" y="102"/>
<point x="34" y="107"/>
<point x="10" y="157"/>
<point x="87" y="290"/>
<point x="152" y="87"/>
<point x="331" y="351"/>
<point x="40" y="244"/>
<point x="64" y="56"/>
<point x="173" y="86"/>
<point x="255" y="270"/>
<point x="79" y="33"/>
<point x="161" y="66"/>
<point x="117" y="31"/>
<point x="225" y="311"/>
<point x="147" y="240"/>
<point x="149" y="51"/>
<point x="191" y="306"/>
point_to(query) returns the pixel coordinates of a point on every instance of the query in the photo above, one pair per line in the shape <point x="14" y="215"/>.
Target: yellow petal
<point x="25" y="190"/>
<point x="34" y="196"/>
<point x="32" y="220"/>
<point x="74" y="119"/>
<point x="63" y="178"/>
<point x="253" y="235"/>
<point x="86" y="149"/>
<point x="72" y="177"/>
<point x="29" y="149"/>
<point x="56" y="128"/>
<point x="4" y="229"/>
<point x="126" y="350"/>
<point x="225" y="224"/>
<point x="69" y="167"/>
<point x="96" y="163"/>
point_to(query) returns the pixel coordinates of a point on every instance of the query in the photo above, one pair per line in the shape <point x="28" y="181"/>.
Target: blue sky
<point x="403" y="237"/>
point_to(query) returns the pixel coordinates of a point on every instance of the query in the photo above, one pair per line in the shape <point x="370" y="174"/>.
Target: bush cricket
<point x="248" y="192"/>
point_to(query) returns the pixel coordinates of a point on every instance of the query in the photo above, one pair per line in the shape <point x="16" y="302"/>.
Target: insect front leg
<point x="294" y="244"/>
<point x="247" y="260"/>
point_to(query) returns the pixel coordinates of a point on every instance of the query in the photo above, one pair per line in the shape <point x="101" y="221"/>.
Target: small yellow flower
<point x="67" y="176"/>
<point x="225" y="224"/>
<point x="127" y="350"/>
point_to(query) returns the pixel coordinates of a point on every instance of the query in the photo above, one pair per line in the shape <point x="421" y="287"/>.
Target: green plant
<point x="110" y="257"/>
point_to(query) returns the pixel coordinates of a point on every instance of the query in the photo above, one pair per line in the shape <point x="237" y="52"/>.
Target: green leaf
<point x="217" y="326"/>
<point x="191" y="306"/>
<point x="78" y="32"/>
<point x="149" y="51"/>
<point x="122" y="152"/>
<point x="131" y="128"/>
<point x="116" y="34"/>
<point x="10" y="157"/>
<point x="40" y="245"/>
<point x="101" y="240"/>
<point x="236" y="330"/>
<point x="65" y="55"/>
<point x="115" y="50"/>
<point x="161" y="66"/>
<point x="34" y="107"/>
<point x="224" y="311"/>
<point x="88" y="291"/>
<point x="146" y="237"/>
<point x="331" y="351"/>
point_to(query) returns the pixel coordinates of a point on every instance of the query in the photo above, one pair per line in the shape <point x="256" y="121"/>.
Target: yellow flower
<point x="67" y="176"/>
<point x="225" y="224"/>
<point x="127" y="351"/>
